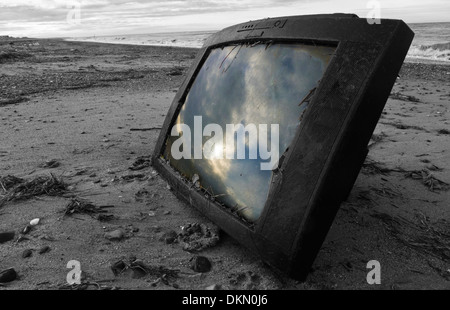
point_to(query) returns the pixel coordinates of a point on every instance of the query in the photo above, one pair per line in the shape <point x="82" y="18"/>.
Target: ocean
<point x="431" y="42"/>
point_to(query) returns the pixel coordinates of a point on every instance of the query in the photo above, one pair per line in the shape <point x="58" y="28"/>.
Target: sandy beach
<point x="89" y="113"/>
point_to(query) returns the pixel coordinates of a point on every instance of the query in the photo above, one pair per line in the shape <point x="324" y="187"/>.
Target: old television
<point x="301" y="96"/>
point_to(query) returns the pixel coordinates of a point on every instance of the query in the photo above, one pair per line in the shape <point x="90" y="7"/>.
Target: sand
<point x="96" y="108"/>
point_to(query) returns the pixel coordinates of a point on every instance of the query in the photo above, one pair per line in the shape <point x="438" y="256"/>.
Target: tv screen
<point x="240" y="115"/>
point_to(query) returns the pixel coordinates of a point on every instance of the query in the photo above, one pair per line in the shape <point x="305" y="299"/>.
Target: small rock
<point x="214" y="287"/>
<point x="169" y="237"/>
<point x="8" y="275"/>
<point x="115" y="235"/>
<point x="167" y="212"/>
<point x="27" y="253"/>
<point x="22" y="238"/>
<point x="52" y="163"/>
<point x="44" y="249"/>
<point x="200" y="264"/>
<point x="6" y="236"/>
<point x="26" y="230"/>
<point x="34" y="222"/>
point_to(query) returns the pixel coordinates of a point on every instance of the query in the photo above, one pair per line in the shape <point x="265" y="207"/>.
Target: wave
<point x="436" y="52"/>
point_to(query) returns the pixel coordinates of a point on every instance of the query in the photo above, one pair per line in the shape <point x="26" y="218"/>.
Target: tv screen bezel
<point x="330" y="144"/>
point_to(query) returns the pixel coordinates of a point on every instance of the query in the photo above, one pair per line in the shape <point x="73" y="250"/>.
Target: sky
<point x="73" y="18"/>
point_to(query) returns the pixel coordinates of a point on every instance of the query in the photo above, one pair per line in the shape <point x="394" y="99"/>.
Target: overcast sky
<point x="65" y="18"/>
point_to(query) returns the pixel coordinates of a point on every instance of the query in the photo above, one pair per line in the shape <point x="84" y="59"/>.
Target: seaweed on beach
<point x="428" y="179"/>
<point x="85" y="285"/>
<point x="140" y="269"/>
<point x="14" y="100"/>
<point x="21" y="189"/>
<point x="9" y="182"/>
<point x="377" y="138"/>
<point x="197" y="237"/>
<point x="400" y="96"/>
<point x="141" y="163"/>
<point x="419" y="235"/>
<point x="371" y="166"/>
<point x="13" y="55"/>
<point x="78" y="205"/>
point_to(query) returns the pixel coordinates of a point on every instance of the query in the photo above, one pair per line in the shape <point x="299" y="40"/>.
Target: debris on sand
<point x="44" y="249"/>
<point x="176" y="71"/>
<point x="82" y="206"/>
<point x="26" y="230"/>
<point x="377" y="138"/>
<point x="428" y="180"/>
<point x="139" y="269"/>
<point x="141" y="163"/>
<point x="145" y="129"/>
<point x="400" y="96"/>
<point x="115" y="235"/>
<point x="214" y="287"/>
<point x="132" y="177"/>
<point x="27" y="253"/>
<point x="9" y="182"/>
<point x="444" y="132"/>
<point x="197" y="237"/>
<point x="402" y="126"/>
<point x="13" y="55"/>
<point x="52" y="163"/>
<point x="371" y="166"/>
<point x="169" y="237"/>
<point x="84" y="285"/>
<point x="15" y="100"/>
<point x="6" y="236"/>
<point x="8" y="275"/>
<point x="200" y="264"/>
<point x="35" y="221"/>
<point x="386" y="191"/>
<point x="420" y="235"/>
<point x="38" y="186"/>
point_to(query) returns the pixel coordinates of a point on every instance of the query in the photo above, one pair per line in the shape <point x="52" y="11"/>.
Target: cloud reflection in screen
<point x="244" y="84"/>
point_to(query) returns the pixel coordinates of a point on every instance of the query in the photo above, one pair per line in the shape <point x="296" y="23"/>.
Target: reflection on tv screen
<point x="239" y="117"/>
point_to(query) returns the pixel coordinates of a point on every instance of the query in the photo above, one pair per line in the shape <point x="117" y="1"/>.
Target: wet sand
<point x="95" y="109"/>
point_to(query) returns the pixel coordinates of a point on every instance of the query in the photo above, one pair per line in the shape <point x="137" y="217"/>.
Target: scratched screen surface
<point x="248" y="85"/>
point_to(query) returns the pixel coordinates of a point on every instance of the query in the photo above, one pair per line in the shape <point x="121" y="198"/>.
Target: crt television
<point x="268" y="132"/>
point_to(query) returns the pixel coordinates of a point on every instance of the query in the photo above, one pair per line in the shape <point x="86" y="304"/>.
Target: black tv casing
<point x="330" y="145"/>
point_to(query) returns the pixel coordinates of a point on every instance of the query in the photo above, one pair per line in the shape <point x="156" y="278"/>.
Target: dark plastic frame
<point x="330" y="145"/>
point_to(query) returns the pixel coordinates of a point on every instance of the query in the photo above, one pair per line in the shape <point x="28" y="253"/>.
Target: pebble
<point x="6" y="236"/>
<point x="26" y="230"/>
<point x="34" y="222"/>
<point x="44" y="249"/>
<point x="114" y="235"/>
<point x="214" y="287"/>
<point x="8" y="275"/>
<point x="27" y="253"/>
<point x="200" y="264"/>
<point x="169" y="237"/>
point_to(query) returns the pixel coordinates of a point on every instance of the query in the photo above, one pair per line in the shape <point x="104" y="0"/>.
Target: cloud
<point x="47" y="18"/>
